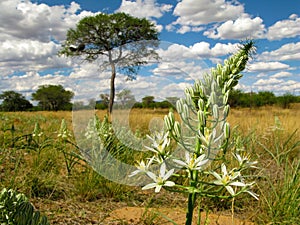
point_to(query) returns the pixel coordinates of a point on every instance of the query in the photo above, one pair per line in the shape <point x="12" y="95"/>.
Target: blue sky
<point x="32" y="32"/>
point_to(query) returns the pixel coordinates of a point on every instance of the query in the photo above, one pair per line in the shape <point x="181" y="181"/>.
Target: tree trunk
<point x="112" y="87"/>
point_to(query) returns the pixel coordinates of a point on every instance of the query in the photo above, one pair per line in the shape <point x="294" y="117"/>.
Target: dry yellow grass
<point x="262" y="119"/>
<point x="246" y="120"/>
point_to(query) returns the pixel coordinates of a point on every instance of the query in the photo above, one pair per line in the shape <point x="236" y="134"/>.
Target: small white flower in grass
<point x="227" y="179"/>
<point x="142" y="167"/>
<point x="161" y="180"/>
<point x="64" y="133"/>
<point x="244" y="160"/>
<point x="191" y="162"/>
<point x="37" y="132"/>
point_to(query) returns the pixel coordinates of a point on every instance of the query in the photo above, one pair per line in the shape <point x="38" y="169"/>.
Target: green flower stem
<point x="193" y="183"/>
<point x="191" y="203"/>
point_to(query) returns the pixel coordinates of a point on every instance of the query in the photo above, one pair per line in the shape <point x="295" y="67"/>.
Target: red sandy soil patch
<point x="138" y="216"/>
<point x="109" y="212"/>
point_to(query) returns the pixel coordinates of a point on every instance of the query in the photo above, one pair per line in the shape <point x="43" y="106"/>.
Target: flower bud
<point x="201" y="118"/>
<point x="215" y="111"/>
<point x="239" y="63"/>
<point x="177" y="129"/>
<point x="202" y="138"/>
<point x="207" y="79"/>
<point x="229" y="83"/>
<point x="219" y="67"/>
<point x="171" y="117"/>
<point x="185" y="112"/>
<point x="226" y="130"/>
<point x="238" y="76"/>
<point x="225" y="97"/>
<point x="189" y="91"/>
<point x="213" y="85"/>
<point x="201" y="91"/>
<point x="213" y="98"/>
<point x="197" y="86"/>
<point x="235" y="71"/>
<point x="224" y="89"/>
<point x="189" y="100"/>
<point x="179" y="106"/>
<point x="226" y="111"/>
<point x="167" y="122"/>
<point x="201" y="104"/>
<point x="224" y="73"/>
<point x="219" y="80"/>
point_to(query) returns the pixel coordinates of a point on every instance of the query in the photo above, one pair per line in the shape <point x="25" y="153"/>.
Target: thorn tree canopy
<point x="13" y="101"/>
<point x="53" y="97"/>
<point x="124" y="42"/>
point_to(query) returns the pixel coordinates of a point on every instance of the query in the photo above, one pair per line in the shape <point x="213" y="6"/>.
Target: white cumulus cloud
<point x="267" y="66"/>
<point x="200" y="12"/>
<point x="27" y="55"/>
<point x="28" y="20"/>
<point x="290" y="51"/>
<point x="241" y="28"/>
<point x="288" y="28"/>
<point x="204" y="50"/>
<point x="144" y="8"/>
<point x="282" y="74"/>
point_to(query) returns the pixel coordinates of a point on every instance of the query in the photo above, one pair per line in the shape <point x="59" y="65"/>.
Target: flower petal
<point x="230" y="190"/>
<point x="152" y="176"/>
<point x="169" y="173"/>
<point x="169" y="184"/>
<point x="216" y="175"/>
<point x="162" y="170"/>
<point x="134" y="173"/>
<point x="179" y="162"/>
<point x="238" y="183"/>
<point x="157" y="188"/>
<point x="148" y="186"/>
<point x="224" y="170"/>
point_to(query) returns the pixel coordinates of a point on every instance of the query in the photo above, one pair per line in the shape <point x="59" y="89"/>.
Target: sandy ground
<point x="136" y="216"/>
<point x="64" y="212"/>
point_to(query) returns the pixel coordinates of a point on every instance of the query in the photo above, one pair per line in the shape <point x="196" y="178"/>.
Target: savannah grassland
<point x="63" y="187"/>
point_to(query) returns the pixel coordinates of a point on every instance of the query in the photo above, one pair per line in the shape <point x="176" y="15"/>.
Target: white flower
<point x="191" y="162"/>
<point x="227" y="179"/>
<point x="244" y="160"/>
<point x="142" y="167"/>
<point x="161" y="180"/>
<point x="159" y="142"/>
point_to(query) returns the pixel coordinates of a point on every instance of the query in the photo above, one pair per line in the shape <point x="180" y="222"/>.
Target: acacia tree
<point x="53" y="97"/>
<point x="123" y="41"/>
<point x="13" y="101"/>
<point x="126" y="97"/>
